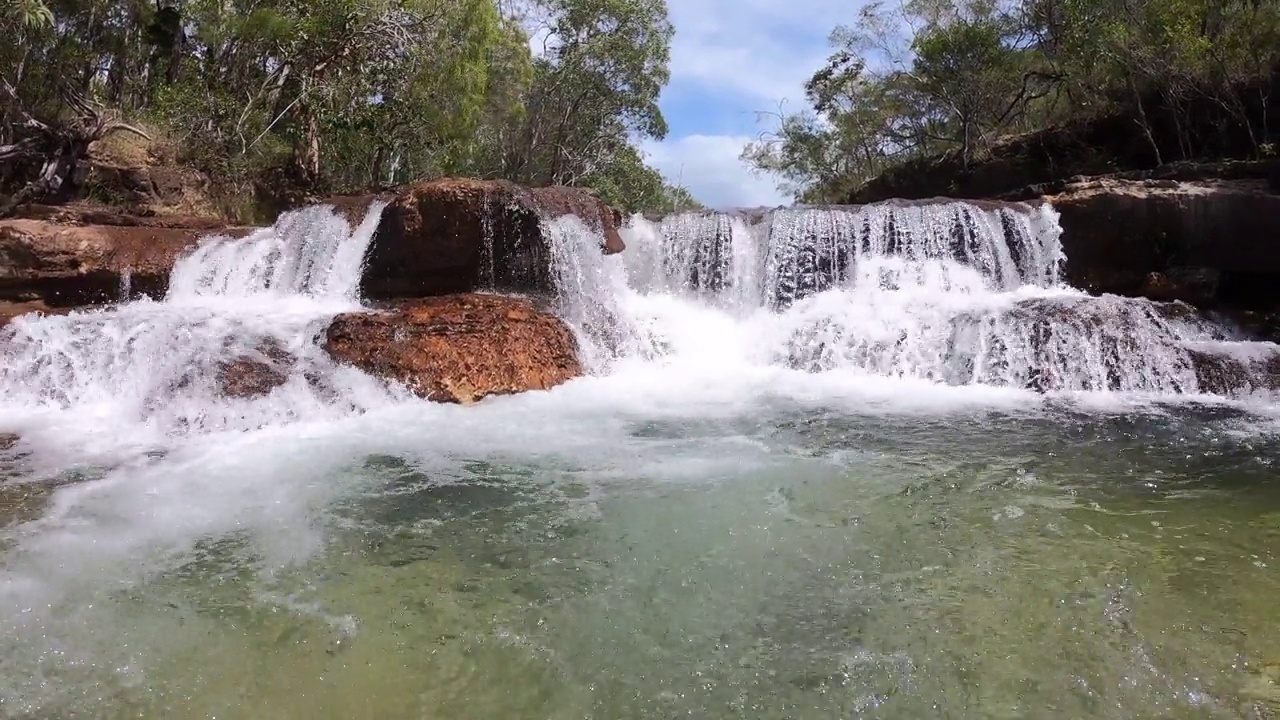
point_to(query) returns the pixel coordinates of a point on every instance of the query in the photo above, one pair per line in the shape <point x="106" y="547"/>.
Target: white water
<point x="130" y="376"/>
<point x="952" y="294"/>
<point x="703" y="318"/>
<point x="956" y="295"/>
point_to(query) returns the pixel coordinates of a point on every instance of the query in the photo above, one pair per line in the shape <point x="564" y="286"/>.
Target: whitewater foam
<point x="706" y="338"/>
<point x="146" y="369"/>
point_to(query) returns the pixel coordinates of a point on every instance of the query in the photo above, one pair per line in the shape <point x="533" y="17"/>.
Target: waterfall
<point x="308" y="252"/>
<point x="955" y="293"/>
<point x="261" y="299"/>
<point x="960" y="293"/>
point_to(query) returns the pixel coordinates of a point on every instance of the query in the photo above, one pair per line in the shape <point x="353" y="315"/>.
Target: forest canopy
<point x="328" y="96"/>
<point x="913" y="79"/>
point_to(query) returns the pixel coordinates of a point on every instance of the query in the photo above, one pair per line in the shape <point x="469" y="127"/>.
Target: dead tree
<point x="59" y="145"/>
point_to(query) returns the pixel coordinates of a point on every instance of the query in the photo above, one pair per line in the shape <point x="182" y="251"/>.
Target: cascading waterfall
<point x="714" y="256"/>
<point x="815" y="249"/>
<point x="956" y="293"/>
<point x="311" y="252"/>
<point x="158" y="363"/>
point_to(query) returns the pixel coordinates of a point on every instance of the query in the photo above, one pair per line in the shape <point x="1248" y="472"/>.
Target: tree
<point x="952" y="78"/>
<point x="595" y="87"/>
<point x="288" y="99"/>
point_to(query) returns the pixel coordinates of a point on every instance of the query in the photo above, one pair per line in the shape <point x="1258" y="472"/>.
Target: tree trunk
<point x="306" y="152"/>
<point x="379" y="165"/>
<point x="1143" y="122"/>
<point x="56" y="179"/>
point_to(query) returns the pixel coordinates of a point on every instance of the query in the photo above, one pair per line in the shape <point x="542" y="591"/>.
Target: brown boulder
<point x="66" y="265"/>
<point x="459" y="348"/>
<point x="451" y="236"/>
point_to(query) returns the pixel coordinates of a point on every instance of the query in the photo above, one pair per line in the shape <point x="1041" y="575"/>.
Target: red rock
<point x="452" y="236"/>
<point x="459" y="348"/>
<point x="66" y="265"/>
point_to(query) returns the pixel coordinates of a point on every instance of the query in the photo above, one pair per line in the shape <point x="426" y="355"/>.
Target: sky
<point x="730" y="61"/>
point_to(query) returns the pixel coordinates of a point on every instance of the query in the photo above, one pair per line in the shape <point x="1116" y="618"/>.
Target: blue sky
<point x="731" y="59"/>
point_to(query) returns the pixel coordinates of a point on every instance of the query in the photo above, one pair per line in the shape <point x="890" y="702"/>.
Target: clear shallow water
<point x="845" y="507"/>
<point x="791" y="561"/>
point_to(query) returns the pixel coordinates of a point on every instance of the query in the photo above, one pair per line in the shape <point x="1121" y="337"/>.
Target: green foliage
<point x="595" y="88"/>
<point x="632" y="186"/>
<point x="28" y="15"/>
<point x="311" y="96"/>
<point x="968" y="73"/>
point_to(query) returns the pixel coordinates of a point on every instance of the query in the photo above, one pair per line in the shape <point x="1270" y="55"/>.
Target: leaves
<point x="342" y="95"/>
<point x="926" y="77"/>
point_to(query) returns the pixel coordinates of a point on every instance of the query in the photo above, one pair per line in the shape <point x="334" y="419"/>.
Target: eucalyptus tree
<point x="340" y="95"/>
<point x="595" y="90"/>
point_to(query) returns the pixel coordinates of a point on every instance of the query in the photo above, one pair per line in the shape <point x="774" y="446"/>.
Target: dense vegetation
<point x="954" y="79"/>
<point x="324" y="96"/>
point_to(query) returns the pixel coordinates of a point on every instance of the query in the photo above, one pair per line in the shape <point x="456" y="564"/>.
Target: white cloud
<point x="764" y="49"/>
<point x="709" y="167"/>
<point x="751" y="55"/>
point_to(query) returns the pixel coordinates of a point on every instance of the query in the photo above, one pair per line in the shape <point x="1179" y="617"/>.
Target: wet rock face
<point x="452" y="236"/>
<point x="1226" y="375"/>
<point x="1210" y="243"/>
<point x="65" y="265"/>
<point x="458" y="348"/>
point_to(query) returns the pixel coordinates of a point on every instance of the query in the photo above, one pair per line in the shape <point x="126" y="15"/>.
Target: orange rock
<point x="459" y="348"/>
<point x="65" y="265"/>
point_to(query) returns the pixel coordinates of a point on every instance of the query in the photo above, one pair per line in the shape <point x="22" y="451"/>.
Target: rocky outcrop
<point x="434" y="238"/>
<point x="65" y="265"/>
<point x="458" y="348"/>
<point x="452" y="236"/>
<point x="1211" y="243"/>
<point x="149" y="189"/>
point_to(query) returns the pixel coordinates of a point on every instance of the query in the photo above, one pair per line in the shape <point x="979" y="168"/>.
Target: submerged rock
<point x="255" y="375"/>
<point x="459" y="348"/>
<point x="452" y="236"/>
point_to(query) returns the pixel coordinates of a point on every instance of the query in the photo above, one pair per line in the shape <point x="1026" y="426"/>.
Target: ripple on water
<point x="793" y="564"/>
